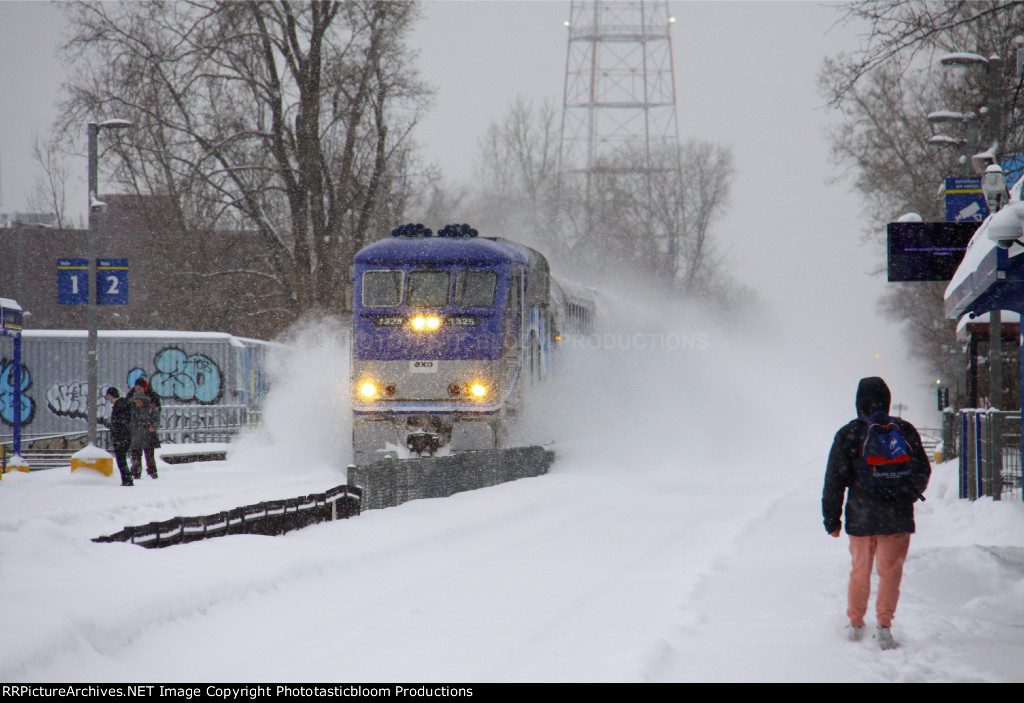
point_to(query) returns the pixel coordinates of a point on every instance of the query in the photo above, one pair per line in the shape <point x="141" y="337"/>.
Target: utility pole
<point x="995" y="329"/>
<point x="95" y="207"/>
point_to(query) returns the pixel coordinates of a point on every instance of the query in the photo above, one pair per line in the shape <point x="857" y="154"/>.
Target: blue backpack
<point x="885" y="463"/>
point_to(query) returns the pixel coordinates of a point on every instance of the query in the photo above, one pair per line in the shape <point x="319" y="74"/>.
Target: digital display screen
<point x="927" y="251"/>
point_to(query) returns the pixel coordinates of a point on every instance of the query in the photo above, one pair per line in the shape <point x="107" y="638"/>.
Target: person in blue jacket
<point x="879" y="525"/>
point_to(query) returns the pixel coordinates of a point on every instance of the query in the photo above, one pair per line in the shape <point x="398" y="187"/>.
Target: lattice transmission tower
<point x="619" y="132"/>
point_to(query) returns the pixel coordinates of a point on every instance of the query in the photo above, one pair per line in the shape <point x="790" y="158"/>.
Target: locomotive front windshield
<point x="428" y="288"/>
<point x="382" y="289"/>
<point x="475" y="289"/>
<point x="465" y="288"/>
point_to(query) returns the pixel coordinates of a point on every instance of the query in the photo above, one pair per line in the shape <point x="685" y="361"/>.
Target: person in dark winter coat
<point x="144" y="423"/>
<point x="120" y="432"/>
<point x="879" y="526"/>
<point x="141" y="384"/>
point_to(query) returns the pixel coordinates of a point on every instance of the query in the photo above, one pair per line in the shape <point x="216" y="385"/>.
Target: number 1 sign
<point x="73" y="281"/>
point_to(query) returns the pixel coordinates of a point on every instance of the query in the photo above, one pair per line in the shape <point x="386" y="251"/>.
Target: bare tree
<point x="287" y="120"/>
<point x="517" y="174"/>
<point x="920" y="308"/>
<point x="651" y="213"/>
<point x="883" y="94"/>
<point x="656" y="213"/>
<point x="708" y="172"/>
<point x="882" y="144"/>
<point x="49" y="192"/>
<point x="902" y="31"/>
<point x="906" y="39"/>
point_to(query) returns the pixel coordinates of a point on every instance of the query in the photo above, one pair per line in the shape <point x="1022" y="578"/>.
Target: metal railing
<point x="51" y="451"/>
<point x="199" y="424"/>
<point x="990" y="454"/>
<point x="179" y="424"/>
<point x="272" y="517"/>
<point x="391" y="482"/>
<point x="931" y="440"/>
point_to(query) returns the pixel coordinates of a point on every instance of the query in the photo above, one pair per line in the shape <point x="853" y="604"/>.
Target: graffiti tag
<point x="71" y="399"/>
<point x="28" y="406"/>
<point x="187" y="378"/>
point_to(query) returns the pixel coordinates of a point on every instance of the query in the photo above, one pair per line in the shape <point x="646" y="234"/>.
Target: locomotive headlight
<point x="478" y="389"/>
<point x="368" y="390"/>
<point x="428" y="322"/>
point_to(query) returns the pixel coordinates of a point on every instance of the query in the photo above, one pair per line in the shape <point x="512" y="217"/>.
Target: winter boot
<point x="855" y="634"/>
<point x="885" y="638"/>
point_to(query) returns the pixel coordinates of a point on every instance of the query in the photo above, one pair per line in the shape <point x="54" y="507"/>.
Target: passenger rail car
<point x="447" y="330"/>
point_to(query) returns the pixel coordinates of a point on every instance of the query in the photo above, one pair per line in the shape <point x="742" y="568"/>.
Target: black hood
<point x="872" y="395"/>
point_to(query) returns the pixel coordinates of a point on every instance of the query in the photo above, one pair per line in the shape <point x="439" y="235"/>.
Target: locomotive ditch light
<point x="478" y="389"/>
<point x="368" y="390"/>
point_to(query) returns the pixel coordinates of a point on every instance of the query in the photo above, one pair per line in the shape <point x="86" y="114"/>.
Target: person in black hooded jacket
<point x="120" y="434"/>
<point x="879" y="526"/>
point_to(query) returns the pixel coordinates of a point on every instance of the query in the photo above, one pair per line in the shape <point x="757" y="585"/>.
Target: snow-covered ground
<point x="678" y="537"/>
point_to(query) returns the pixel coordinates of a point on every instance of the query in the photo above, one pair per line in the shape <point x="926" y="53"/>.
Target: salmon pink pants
<point x="887" y="553"/>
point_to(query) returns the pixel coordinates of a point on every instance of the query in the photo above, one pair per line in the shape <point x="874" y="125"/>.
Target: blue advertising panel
<point x="112" y="281"/>
<point x="927" y="251"/>
<point x="73" y="281"/>
<point x="965" y="202"/>
<point x="1013" y="168"/>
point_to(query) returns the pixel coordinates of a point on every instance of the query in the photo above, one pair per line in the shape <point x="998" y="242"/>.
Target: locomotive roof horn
<point x="462" y="230"/>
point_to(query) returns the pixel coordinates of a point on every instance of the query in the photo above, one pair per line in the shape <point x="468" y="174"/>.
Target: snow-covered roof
<point x="977" y="249"/>
<point x="1006" y="318"/>
<point x="146" y="334"/>
<point x="981" y="246"/>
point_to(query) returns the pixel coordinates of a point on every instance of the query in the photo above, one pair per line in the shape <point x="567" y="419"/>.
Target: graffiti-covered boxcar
<point x="190" y="371"/>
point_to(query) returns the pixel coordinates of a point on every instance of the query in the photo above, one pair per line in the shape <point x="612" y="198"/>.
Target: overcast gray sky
<point x="745" y="76"/>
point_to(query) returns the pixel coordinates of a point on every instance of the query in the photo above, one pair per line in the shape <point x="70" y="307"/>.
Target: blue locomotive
<point x="447" y="331"/>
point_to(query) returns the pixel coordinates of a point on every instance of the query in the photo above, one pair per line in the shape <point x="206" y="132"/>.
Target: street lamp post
<point x="980" y="161"/>
<point x="96" y="207"/>
<point x="969" y="145"/>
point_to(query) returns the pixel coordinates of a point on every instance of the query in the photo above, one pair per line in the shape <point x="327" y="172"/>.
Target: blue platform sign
<point x="965" y="201"/>
<point x="73" y="281"/>
<point x="112" y="281"/>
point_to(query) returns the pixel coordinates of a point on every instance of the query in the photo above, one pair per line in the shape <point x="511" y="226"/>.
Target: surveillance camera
<point x="1005" y="227"/>
<point x="993" y="185"/>
<point x="982" y="161"/>
<point x="98" y="207"/>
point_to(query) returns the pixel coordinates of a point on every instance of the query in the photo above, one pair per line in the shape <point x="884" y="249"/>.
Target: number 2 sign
<point x="112" y="281"/>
